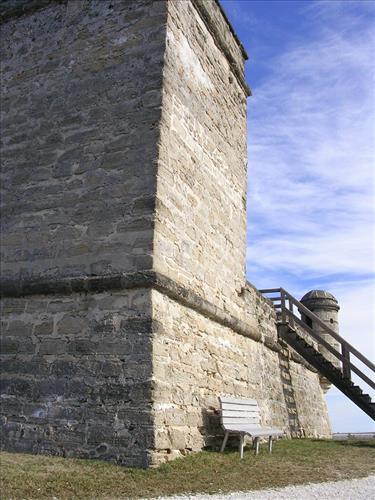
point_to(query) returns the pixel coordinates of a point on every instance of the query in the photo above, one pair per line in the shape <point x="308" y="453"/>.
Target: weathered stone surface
<point x="77" y="389"/>
<point x="202" y="161"/>
<point x="71" y="207"/>
<point x="126" y="311"/>
<point x="195" y="360"/>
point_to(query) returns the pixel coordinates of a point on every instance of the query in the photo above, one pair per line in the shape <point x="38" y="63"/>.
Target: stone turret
<point x="324" y="305"/>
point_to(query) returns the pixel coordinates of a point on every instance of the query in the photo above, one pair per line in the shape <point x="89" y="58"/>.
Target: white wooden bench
<point x="241" y="416"/>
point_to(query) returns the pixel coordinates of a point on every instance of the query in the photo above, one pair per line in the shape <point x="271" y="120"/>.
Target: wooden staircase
<point x="306" y="342"/>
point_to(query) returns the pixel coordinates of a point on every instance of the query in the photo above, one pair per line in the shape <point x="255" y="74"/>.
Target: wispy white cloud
<point x="311" y="168"/>
<point x="311" y="155"/>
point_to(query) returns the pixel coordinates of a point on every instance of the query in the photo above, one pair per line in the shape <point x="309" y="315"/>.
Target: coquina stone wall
<point x="81" y="100"/>
<point x="202" y="165"/>
<point x="200" y="232"/>
<point x="126" y="311"/>
<point x="76" y="375"/>
<point x="195" y="359"/>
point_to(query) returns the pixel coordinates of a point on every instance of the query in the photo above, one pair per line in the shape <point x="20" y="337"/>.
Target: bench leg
<point x="256" y="445"/>
<point x="270" y="444"/>
<point x="242" y="443"/>
<point x="225" y="441"/>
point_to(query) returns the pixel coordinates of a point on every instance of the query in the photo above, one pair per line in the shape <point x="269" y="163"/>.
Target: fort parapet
<point x="126" y="310"/>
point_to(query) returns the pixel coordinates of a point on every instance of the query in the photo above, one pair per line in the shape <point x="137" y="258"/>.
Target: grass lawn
<point x="292" y="462"/>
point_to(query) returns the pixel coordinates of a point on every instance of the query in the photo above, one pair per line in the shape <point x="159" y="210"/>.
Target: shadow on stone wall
<point x="288" y="391"/>
<point x="213" y="432"/>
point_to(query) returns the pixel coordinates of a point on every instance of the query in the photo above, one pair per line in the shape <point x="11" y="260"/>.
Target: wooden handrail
<point x="341" y="357"/>
<point x="287" y="312"/>
<point x="333" y="334"/>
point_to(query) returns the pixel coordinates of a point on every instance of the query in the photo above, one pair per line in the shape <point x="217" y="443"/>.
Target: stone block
<point x="177" y="437"/>
<point x="52" y="346"/>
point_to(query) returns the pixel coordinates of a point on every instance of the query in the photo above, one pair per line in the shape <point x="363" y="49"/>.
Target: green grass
<point x="292" y="462"/>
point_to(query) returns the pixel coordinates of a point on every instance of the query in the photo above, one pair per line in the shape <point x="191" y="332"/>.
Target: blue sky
<point x="311" y="157"/>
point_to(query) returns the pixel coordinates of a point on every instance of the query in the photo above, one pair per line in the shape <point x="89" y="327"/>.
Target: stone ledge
<point x="271" y="344"/>
<point x="192" y="300"/>
<point x="139" y="279"/>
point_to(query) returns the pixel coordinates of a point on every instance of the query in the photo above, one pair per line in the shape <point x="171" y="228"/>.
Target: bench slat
<point x="251" y="402"/>
<point x="240" y="414"/>
<point x="256" y="431"/>
<point x="232" y="406"/>
<point x="240" y="423"/>
<point x="253" y="416"/>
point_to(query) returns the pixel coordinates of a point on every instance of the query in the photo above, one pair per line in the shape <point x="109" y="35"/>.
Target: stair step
<point x="326" y="363"/>
<point x="356" y="389"/>
<point x="348" y="381"/>
<point x="309" y="349"/>
<point x="337" y="372"/>
<point x="366" y="397"/>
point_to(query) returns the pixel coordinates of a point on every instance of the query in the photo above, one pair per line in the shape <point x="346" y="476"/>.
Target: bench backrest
<point x="238" y="412"/>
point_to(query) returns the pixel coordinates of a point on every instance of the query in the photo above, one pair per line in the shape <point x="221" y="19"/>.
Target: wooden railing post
<point x="346" y="361"/>
<point x="283" y="314"/>
<point x="291" y="318"/>
<point x="286" y="314"/>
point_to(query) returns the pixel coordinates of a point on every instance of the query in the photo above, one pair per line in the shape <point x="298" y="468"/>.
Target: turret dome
<point x="319" y="299"/>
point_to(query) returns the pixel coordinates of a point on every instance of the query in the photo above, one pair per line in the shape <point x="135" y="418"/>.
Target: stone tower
<point x="126" y="311"/>
<point x="324" y="305"/>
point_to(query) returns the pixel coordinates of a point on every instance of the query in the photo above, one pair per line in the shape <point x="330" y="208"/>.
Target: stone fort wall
<point x="75" y="375"/>
<point x="126" y="311"/>
<point x="196" y="358"/>
<point x="202" y="166"/>
<point x="200" y="231"/>
<point x="81" y="100"/>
